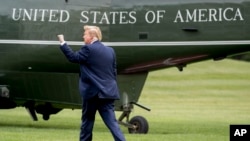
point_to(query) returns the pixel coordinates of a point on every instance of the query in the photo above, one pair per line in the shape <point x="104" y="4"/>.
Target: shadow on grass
<point x="38" y="125"/>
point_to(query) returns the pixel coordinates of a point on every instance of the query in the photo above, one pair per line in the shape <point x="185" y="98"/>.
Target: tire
<point x="46" y="117"/>
<point x="141" y="125"/>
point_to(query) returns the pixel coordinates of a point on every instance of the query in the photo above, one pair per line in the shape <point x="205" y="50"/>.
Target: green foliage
<point x="197" y="104"/>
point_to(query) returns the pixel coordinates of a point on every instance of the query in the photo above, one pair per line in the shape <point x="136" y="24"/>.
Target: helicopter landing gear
<point x="137" y="124"/>
<point x="45" y="109"/>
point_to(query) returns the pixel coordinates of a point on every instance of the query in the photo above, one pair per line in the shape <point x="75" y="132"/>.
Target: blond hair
<point x="94" y="31"/>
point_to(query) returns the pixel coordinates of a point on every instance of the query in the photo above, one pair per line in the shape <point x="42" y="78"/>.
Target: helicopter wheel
<point x="46" y="116"/>
<point x="140" y="125"/>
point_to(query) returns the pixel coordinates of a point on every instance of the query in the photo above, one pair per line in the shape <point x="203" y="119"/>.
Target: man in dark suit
<point x="97" y="82"/>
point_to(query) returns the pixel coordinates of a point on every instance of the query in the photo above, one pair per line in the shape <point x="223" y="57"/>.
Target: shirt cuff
<point x="62" y="43"/>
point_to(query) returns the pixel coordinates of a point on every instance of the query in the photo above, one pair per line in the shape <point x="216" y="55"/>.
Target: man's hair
<point x="94" y="31"/>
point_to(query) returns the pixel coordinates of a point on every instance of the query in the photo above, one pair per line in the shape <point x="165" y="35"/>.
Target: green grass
<point x="197" y="104"/>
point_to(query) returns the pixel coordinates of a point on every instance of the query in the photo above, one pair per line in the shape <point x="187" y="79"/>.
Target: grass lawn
<point x="197" y="104"/>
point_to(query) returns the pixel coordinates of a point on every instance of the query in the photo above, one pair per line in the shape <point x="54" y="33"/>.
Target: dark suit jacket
<point x="97" y="70"/>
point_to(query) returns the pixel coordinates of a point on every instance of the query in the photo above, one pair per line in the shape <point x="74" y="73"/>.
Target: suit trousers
<point x="105" y="107"/>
